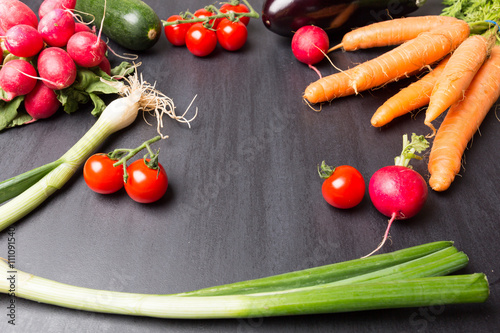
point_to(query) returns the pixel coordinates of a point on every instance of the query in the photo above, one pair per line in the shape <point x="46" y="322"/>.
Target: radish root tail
<point x="386" y="235"/>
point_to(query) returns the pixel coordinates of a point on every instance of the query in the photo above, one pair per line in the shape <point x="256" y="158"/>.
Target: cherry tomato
<point x="231" y="35"/>
<point x="345" y="188"/>
<point x="241" y="8"/>
<point x="176" y="34"/>
<point x="200" y="41"/>
<point x="145" y="185"/>
<point x="100" y="174"/>
<point x="203" y="12"/>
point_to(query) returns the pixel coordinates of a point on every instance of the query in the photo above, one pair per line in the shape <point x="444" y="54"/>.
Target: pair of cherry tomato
<point x="202" y="41"/>
<point x="343" y="187"/>
<point x="144" y="184"/>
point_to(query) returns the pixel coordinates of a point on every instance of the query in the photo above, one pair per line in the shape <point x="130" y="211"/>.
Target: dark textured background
<point x="244" y="199"/>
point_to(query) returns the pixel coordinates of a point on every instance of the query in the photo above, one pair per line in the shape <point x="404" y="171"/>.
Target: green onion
<point x="14" y="186"/>
<point x="472" y="288"/>
<point x="343" y="271"/>
<point x="440" y="263"/>
<point x="431" y="291"/>
<point x="408" y="284"/>
<point x="31" y="198"/>
<point x="37" y="185"/>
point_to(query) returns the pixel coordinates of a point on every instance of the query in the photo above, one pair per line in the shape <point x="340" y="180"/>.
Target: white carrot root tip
<point x="430" y="135"/>
<point x="336" y="47"/>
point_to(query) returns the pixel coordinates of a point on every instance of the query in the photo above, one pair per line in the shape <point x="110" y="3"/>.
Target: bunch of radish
<point x="42" y="55"/>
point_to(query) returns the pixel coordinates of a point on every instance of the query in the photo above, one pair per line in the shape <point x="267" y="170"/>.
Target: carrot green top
<point x="481" y="15"/>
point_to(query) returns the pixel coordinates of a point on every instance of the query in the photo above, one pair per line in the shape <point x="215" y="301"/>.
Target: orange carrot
<point x="405" y="59"/>
<point x="413" y="55"/>
<point x="462" y="121"/>
<point x="330" y="87"/>
<point x="456" y="76"/>
<point x="343" y="16"/>
<point x="415" y="96"/>
<point x="392" y="32"/>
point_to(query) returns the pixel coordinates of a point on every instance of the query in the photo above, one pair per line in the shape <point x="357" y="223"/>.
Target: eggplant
<point x="284" y="17"/>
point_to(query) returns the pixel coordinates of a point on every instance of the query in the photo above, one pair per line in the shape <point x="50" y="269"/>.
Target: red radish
<point x="310" y="44"/>
<point x="56" y="68"/>
<point x="56" y="27"/>
<point x="23" y="40"/>
<point x="105" y="66"/>
<point x="82" y="27"/>
<point x="14" y="12"/>
<point x="397" y="191"/>
<point x="86" y="49"/>
<point x="17" y="78"/>
<point x="41" y="102"/>
<point x="49" y="5"/>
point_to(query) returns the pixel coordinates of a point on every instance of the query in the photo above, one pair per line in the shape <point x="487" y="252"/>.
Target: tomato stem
<point x="205" y="20"/>
<point x="122" y="155"/>
<point x="325" y="171"/>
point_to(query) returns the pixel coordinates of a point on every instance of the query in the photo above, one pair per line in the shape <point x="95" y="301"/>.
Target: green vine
<point x="122" y="155"/>
<point x="188" y="17"/>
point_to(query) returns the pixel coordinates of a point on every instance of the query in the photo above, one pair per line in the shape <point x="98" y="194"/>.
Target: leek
<point x="390" y="287"/>
<point x="40" y="183"/>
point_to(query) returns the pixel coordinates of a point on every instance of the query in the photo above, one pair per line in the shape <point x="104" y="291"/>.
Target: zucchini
<point x="129" y="23"/>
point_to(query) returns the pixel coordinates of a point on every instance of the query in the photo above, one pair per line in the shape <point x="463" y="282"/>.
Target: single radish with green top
<point x="56" y="68"/>
<point x="23" y="40"/>
<point x="17" y="78"/>
<point x="398" y="191"/>
<point x="310" y="45"/>
<point x="86" y="49"/>
<point x="57" y="27"/>
<point x="41" y="102"/>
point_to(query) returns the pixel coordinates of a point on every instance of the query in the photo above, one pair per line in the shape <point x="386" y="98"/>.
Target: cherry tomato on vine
<point x="232" y="35"/>
<point x="101" y="176"/>
<point x="144" y="184"/>
<point x="203" y="12"/>
<point x="176" y="34"/>
<point x="200" y="41"/>
<point x="344" y="186"/>
<point x="240" y="8"/>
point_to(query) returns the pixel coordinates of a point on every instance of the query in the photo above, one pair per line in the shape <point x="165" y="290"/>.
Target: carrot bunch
<point x="464" y="79"/>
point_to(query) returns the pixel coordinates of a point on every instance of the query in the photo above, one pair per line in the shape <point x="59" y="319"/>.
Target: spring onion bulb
<point x="137" y="95"/>
<point x="391" y="289"/>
